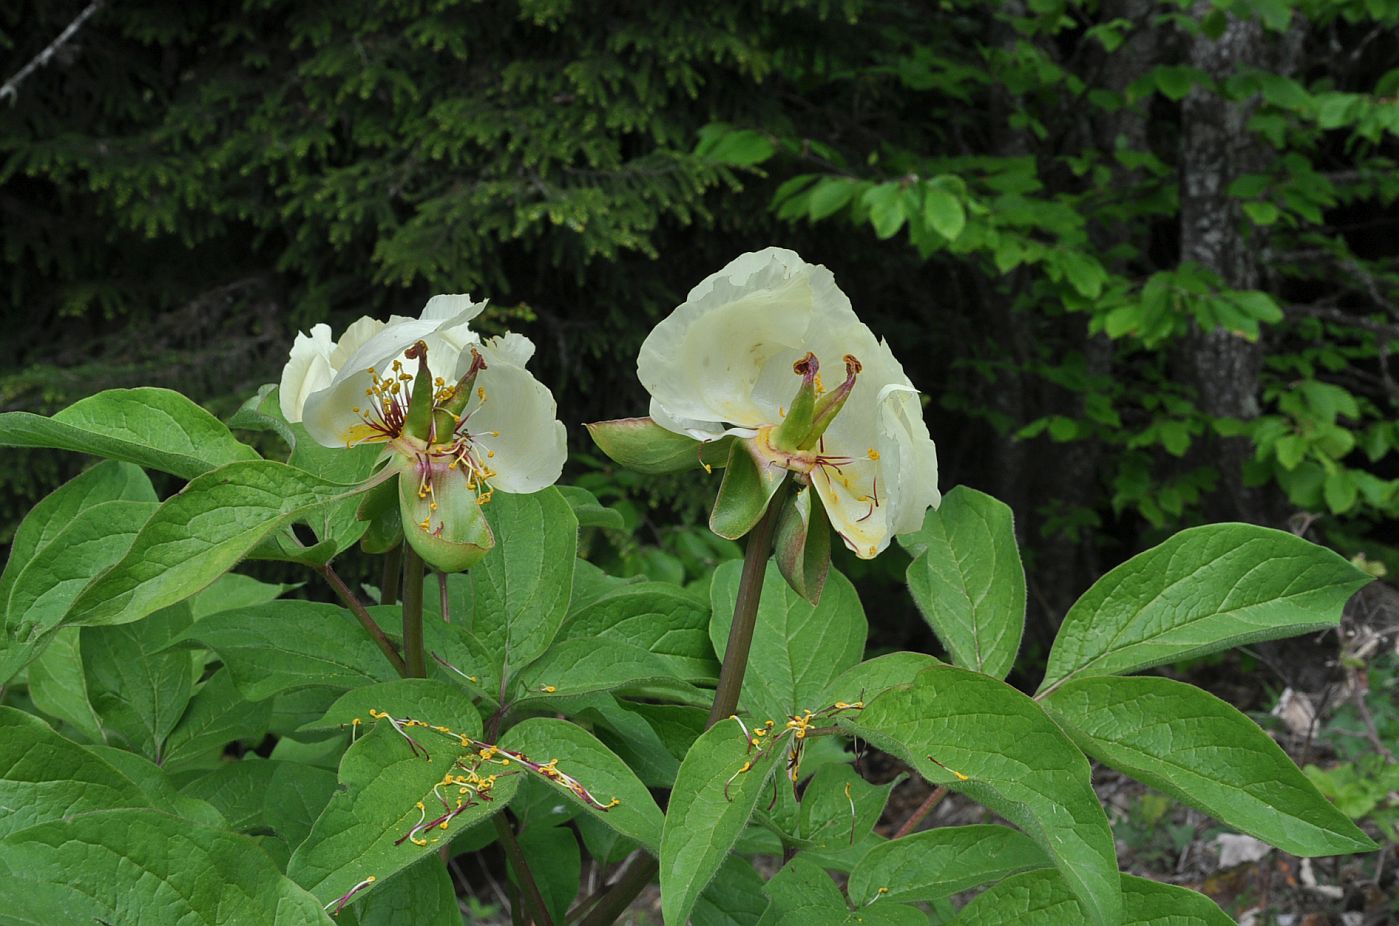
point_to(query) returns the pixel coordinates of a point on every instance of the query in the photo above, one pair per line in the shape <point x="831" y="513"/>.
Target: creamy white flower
<point x="722" y="363"/>
<point x="486" y="423"/>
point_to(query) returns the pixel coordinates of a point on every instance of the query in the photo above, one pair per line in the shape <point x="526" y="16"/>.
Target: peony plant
<point x="182" y="740"/>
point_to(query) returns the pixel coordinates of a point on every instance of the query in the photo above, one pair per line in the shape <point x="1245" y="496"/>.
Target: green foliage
<point x="572" y="697"/>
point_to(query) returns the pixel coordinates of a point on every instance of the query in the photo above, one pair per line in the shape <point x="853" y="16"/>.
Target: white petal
<point x="699" y="430"/>
<point x="509" y="348"/>
<point x="308" y="369"/>
<point x="726" y="354"/>
<point x="515" y="430"/>
<point x="329" y="414"/>
<point x="353" y="339"/>
<point x="455" y="307"/>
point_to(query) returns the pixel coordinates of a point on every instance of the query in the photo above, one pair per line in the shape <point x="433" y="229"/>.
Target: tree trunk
<point x="1216" y="147"/>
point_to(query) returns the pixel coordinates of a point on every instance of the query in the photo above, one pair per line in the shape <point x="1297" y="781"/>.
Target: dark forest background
<point x="1142" y="258"/>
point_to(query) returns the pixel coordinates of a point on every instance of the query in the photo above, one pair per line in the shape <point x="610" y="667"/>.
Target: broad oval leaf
<point x="198" y="535"/>
<point x="289" y="644"/>
<point x="518" y="595"/>
<point x="656" y="616"/>
<point x="429" y="700"/>
<point x="278" y="799"/>
<point x="1200" y="750"/>
<point x="710" y="805"/>
<point x="155" y="428"/>
<point x="44" y="777"/>
<point x="798" y="648"/>
<point x="1203" y="590"/>
<point x="108" y="481"/>
<point x="383" y="779"/>
<point x="967" y="580"/>
<point x="952" y="722"/>
<point x="55" y="576"/>
<point x="145" y="866"/>
<point x="875" y="676"/>
<point x="1041" y="898"/>
<point x="573" y="667"/>
<point x="596" y="768"/>
<point x="941" y="862"/>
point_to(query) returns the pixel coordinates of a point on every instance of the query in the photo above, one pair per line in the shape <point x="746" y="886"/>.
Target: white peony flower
<point x="723" y="363"/>
<point x="482" y="422"/>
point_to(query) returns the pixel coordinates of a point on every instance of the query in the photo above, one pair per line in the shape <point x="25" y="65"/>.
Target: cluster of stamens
<point x="766" y="737"/>
<point x="468" y="775"/>
<point x="386" y="404"/>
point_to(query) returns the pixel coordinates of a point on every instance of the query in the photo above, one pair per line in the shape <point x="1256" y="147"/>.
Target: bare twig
<point x="11" y="86"/>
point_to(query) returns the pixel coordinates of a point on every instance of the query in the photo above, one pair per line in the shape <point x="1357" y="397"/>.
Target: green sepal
<point x="749" y="483"/>
<point x="803" y="545"/>
<point x="379" y="508"/>
<point x="642" y="445"/>
<point x="457" y="535"/>
<point x="795" y="428"/>
<point x="419" y="421"/>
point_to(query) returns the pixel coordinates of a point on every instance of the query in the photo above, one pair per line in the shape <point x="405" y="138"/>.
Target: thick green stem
<point x="750" y="591"/>
<point x="376" y="633"/>
<point x="393" y="574"/>
<point x="413" y="654"/>
<point x="534" y="901"/>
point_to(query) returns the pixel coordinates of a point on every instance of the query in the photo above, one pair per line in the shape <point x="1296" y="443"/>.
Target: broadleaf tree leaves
<point x="382" y="782"/>
<point x="574" y="667"/>
<point x="424" y="895"/>
<point x="155" y="428"/>
<point x="597" y="768"/>
<point x="198" y="535"/>
<point x="217" y="715"/>
<point x="941" y="862"/>
<point x="429" y="700"/>
<point x="709" y="806"/>
<point x="800" y="893"/>
<point x="45" y="777"/>
<point x="1200" y="750"/>
<point x="143" y="866"/>
<point x="279" y="799"/>
<point x="519" y="594"/>
<point x="108" y="481"/>
<point x="1203" y="590"/>
<point x="967" y="580"/>
<point x="951" y="722"/>
<point x="288" y="644"/>
<point x="58" y="686"/>
<point x="558" y="880"/>
<point x="1041" y="898"/>
<point x="798" y="648"/>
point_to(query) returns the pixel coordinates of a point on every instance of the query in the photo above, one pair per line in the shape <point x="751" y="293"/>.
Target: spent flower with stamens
<point x="742" y="360"/>
<point x="471" y="780"/>
<point x="459" y="417"/>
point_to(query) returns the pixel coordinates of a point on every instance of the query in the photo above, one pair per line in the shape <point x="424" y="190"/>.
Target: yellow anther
<point x="356" y="722"/>
<point x="481" y="393"/>
<point x="883" y="890"/>
<point x="376" y="714"/>
<point x="819" y="388"/>
<point x="420" y="806"/>
<point x="708" y="470"/>
<point x="490" y="453"/>
<point x="873" y="454"/>
<point x="549" y="689"/>
<point x="781" y="413"/>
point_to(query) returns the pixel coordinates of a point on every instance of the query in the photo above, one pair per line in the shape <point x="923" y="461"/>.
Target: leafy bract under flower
<point x="481" y="423"/>
<point x="723" y="363"/>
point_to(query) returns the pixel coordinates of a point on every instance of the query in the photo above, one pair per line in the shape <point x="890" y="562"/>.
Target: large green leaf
<point x="154" y="428"/>
<point x="801" y="893"/>
<point x="798" y="648"/>
<point x="1203" y="590"/>
<point x="839" y="808"/>
<point x="144" y="866"/>
<point x="733" y="898"/>
<point x="139" y="691"/>
<point x="422" y="896"/>
<point x="108" y="481"/>
<point x="597" y="768"/>
<point x="967" y="580"/>
<point x="279" y="801"/>
<point x="518" y="595"/>
<point x="198" y="535"/>
<point x="44" y="777"/>
<point x="156" y="785"/>
<point x="58" y="685"/>
<point x="1200" y="750"/>
<point x="562" y="869"/>
<point x="54" y="577"/>
<point x="217" y="715"/>
<point x="709" y="807"/>
<point x="574" y="667"/>
<point x="382" y="781"/>
<point x="874" y="676"/>
<point x="1041" y="898"/>
<point x="941" y="862"/>
<point x="952" y="722"/>
<point x="655" y="616"/>
<point x="289" y="644"/>
<point x="429" y="700"/>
